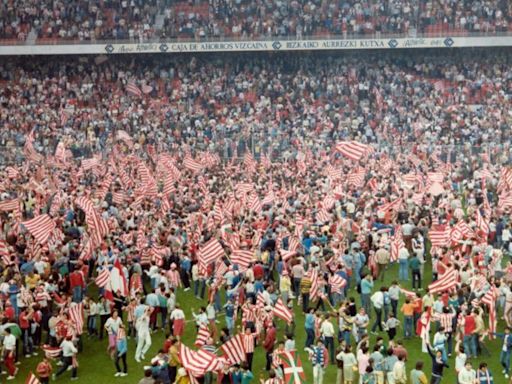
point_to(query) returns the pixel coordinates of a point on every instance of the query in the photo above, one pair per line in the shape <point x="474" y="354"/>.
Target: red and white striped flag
<point x="242" y="258"/>
<point x="337" y="283"/>
<point x="397" y="243"/>
<point x="51" y="352"/>
<point x="234" y="349"/>
<point x="12" y="172"/>
<point x="210" y="252"/>
<point x="489" y="299"/>
<point x="255" y="204"/>
<point x="353" y="149"/>
<point x="60" y="152"/>
<point x="446" y="282"/>
<point x="439" y="238"/>
<point x="32" y="379"/>
<point x="391" y="206"/>
<point x="29" y="150"/>
<point x="76" y="315"/>
<point x="198" y="362"/>
<point x="282" y="311"/>
<point x="482" y="223"/>
<point x="192" y="165"/>
<point x="132" y="89"/>
<point x="203" y="334"/>
<point x="97" y="226"/>
<point x="40" y="227"/>
<point x="103" y="278"/>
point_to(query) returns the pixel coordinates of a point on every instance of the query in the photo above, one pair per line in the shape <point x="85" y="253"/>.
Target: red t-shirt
<point x="24" y="323"/>
<point x="9" y="313"/>
<point x="469" y="325"/>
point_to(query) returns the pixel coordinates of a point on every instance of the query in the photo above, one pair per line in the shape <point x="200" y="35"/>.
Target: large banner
<point x="257" y="46"/>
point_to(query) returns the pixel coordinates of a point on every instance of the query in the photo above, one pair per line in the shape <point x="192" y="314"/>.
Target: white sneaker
<point x="117" y="374"/>
<point x="137" y="360"/>
<point x="34" y="354"/>
<point x="506" y="376"/>
<point x="10" y="377"/>
<point x="123" y="374"/>
<point x="143" y="357"/>
<point x="27" y="355"/>
<point x="186" y="289"/>
<point x="59" y="363"/>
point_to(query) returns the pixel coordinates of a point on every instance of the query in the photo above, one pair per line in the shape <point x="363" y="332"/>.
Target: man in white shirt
<point x="467" y="375"/>
<point x="377" y="300"/>
<point x="143" y="335"/>
<point x="403" y="272"/>
<point x="68" y="353"/>
<point x="327" y="332"/>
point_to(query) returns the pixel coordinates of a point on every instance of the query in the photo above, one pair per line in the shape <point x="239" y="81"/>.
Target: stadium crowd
<point x="136" y="20"/>
<point x="264" y="186"/>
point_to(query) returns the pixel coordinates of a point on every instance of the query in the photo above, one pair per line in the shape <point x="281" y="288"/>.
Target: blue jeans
<point x="470" y="345"/>
<point x="230" y="324"/>
<point x="77" y="294"/>
<point x="365" y="302"/>
<point x="407" y="326"/>
<point x="403" y="270"/>
<point x="505" y="360"/>
<point x="310" y="337"/>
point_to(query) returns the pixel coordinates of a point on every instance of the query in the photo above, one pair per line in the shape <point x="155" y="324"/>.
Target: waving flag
<point x="103" y="278"/>
<point x="234" y="349"/>
<point x="282" y="311"/>
<point x="292" y="367"/>
<point x="40" y="227"/>
<point x="133" y="90"/>
<point x="490" y="300"/>
<point x="76" y="314"/>
<point x="97" y="226"/>
<point x="210" y="252"/>
<point x="198" y="362"/>
<point x="439" y="238"/>
<point x="242" y="258"/>
<point x="353" y="149"/>
<point x="203" y="334"/>
<point x="192" y="165"/>
<point x="447" y="282"/>
<point x="481" y="222"/>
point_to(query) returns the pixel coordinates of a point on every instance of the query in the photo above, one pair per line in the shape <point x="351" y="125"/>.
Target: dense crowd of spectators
<point x="144" y="123"/>
<point x="261" y="102"/>
<point x="136" y="19"/>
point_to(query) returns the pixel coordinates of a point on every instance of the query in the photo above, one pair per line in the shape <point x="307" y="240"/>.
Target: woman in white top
<point x="112" y="327"/>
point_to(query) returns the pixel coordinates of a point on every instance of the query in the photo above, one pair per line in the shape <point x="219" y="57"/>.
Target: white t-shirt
<point x="112" y="325"/>
<point x="10" y="342"/>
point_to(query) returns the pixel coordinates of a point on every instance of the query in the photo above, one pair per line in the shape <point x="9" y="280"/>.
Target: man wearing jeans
<point x="378" y="303"/>
<point x="366" y="290"/>
<point x="506" y="350"/>
<point x="408" y="312"/>
<point x="469" y="337"/>
<point x="309" y="325"/>
<point x="327" y="332"/>
<point x="403" y="256"/>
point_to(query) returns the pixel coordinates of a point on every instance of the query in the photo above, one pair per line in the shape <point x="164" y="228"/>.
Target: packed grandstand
<point x="256" y="216"/>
